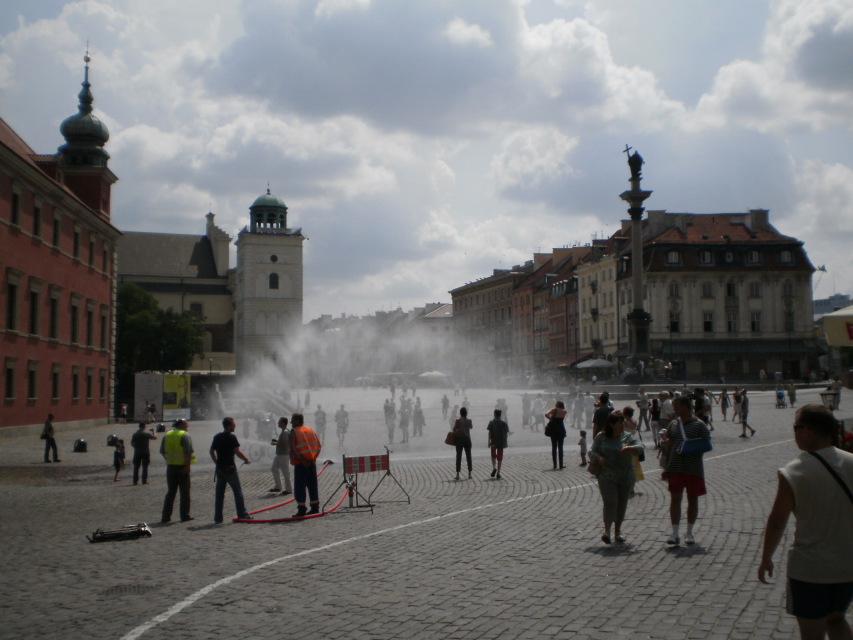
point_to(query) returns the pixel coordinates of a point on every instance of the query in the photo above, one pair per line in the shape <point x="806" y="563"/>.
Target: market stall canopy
<point x="838" y="327"/>
<point x="598" y="363"/>
<point x="433" y="374"/>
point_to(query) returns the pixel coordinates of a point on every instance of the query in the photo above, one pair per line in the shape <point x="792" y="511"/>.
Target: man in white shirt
<point x="816" y="488"/>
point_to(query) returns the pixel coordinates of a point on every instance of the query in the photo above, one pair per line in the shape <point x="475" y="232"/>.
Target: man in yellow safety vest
<point x="177" y="448"/>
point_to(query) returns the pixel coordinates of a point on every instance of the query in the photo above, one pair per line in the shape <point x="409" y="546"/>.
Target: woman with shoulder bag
<point x="462" y="428"/>
<point x="614" y="449"/>
<point x="556" y="430"/>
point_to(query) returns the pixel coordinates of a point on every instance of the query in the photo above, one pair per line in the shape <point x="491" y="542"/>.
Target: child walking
<point x="118" y="458"/>
<point x="582" y="445"/>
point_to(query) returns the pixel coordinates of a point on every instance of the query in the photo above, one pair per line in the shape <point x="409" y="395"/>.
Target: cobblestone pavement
<point x="513" y="558"/>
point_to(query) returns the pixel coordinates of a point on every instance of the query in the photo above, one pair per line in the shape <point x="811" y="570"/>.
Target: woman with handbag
<point x="614" y="449"/>
<point x="633" y="430"/>
<point x="462" y="428"/>
<point x="556" y="430"/>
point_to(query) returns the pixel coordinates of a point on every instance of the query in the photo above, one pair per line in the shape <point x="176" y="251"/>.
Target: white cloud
<point x="803" y="81"/>
<point x="824" y="223"/>
<point x="825" y="193"/>
<point x="531" y="158"/>
<point x="421" y="144"/>
<point x="326" y="8"/>
<point x="458" y="31"/>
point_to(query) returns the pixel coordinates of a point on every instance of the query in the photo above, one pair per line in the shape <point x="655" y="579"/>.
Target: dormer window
<point x="753" y="257"/>
<point x="673" y="257"/>
<point x="786" y="256"/>
<point x="706" y="258"/>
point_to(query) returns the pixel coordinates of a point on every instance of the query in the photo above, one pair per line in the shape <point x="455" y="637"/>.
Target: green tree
<point x="181" y="339"/>
<point x="152" y="339"/>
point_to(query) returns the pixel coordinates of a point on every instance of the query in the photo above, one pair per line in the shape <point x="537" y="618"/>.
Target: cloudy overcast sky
<point x="422" y="143"/>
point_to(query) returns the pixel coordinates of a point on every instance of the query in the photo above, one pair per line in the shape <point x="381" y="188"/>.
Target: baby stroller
<point x="780" y="399"/>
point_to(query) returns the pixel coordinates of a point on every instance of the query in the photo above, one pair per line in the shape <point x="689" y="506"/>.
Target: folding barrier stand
<point x="353" y="466"/>
<point x="383" y="463"/>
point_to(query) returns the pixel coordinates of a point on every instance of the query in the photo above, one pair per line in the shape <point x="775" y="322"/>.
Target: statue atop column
<point x="635" y="162"/>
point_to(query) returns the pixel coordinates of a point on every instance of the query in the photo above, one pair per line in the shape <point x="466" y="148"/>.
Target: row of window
<point x="36" y="228"/>
<point x="591" y="280"/>
<point x="33" y="383"/>
<point x="484" y="298"/>
<point x="708" y="324"/>
<point x="45" y="312"/>
<point x="603" y="330"/>
<point x="708" y="258"/>
<point x="606" y="330"/>
<point x="709" y="289"/>
<point x="495" y="315"/>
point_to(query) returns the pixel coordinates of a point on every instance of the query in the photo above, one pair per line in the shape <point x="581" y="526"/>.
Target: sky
<point x="420" y="144"/>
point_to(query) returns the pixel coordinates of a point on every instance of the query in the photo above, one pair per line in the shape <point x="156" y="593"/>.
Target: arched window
<point x="273" y="281"/>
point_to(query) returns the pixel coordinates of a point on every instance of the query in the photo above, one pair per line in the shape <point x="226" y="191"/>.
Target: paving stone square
<point x="519" y="557"/>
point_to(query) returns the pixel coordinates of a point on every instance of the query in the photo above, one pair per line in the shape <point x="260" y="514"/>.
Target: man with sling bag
<point x="816" y="487"/>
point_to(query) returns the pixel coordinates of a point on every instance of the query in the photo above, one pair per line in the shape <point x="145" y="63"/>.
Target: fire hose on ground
<point x="307" y="516"/>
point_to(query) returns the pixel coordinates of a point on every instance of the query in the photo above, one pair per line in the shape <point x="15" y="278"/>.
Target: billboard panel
<point x="148" y="388"/>
<point x="176" y="396"/>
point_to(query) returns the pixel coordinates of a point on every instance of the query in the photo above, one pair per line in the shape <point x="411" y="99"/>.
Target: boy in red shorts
<point x="684" y="472"/>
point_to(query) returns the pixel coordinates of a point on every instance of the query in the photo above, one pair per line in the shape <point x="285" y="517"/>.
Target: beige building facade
<point x="268" y="291"/>
<point x="251" y="312"/>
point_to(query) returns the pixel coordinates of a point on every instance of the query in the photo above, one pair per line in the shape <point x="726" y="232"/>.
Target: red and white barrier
<point x="355" y="465"/>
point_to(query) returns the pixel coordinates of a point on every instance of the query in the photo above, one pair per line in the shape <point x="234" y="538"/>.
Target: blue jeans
<point x="305" y="481"/>
<point x="228" y="476"/>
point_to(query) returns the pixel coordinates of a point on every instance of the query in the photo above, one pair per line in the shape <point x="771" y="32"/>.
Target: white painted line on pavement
<point x="198" y="595"/>
<point x="201" y="593"/>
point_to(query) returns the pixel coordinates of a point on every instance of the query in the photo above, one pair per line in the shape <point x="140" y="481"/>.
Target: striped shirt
<point x="690" y="463"/>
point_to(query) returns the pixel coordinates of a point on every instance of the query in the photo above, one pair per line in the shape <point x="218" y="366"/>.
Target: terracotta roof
<point x="12" y="140"/>
<point x="165" y="255"/>
<point x="717" y="228"/>
<point x="39" y="158"/>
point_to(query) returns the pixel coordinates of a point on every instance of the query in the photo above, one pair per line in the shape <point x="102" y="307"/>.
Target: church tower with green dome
<point x="268" y="291"/>
<point x="83" y="159"/>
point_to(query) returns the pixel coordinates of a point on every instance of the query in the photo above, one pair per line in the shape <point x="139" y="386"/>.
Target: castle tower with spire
<point x="83" y="159"/>
<point x="58" y="287"/>
<point x="268" y="288"/>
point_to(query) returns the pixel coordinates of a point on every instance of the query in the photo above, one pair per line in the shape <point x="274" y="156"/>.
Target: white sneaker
<point x="673" y="540"/>
<point x="688" y="539"/>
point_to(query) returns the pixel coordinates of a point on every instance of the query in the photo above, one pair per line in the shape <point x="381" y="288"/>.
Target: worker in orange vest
<point x="304" y="450"/>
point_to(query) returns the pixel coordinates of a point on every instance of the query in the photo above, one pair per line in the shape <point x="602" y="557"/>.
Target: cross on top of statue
<point x="635" y="162"/>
